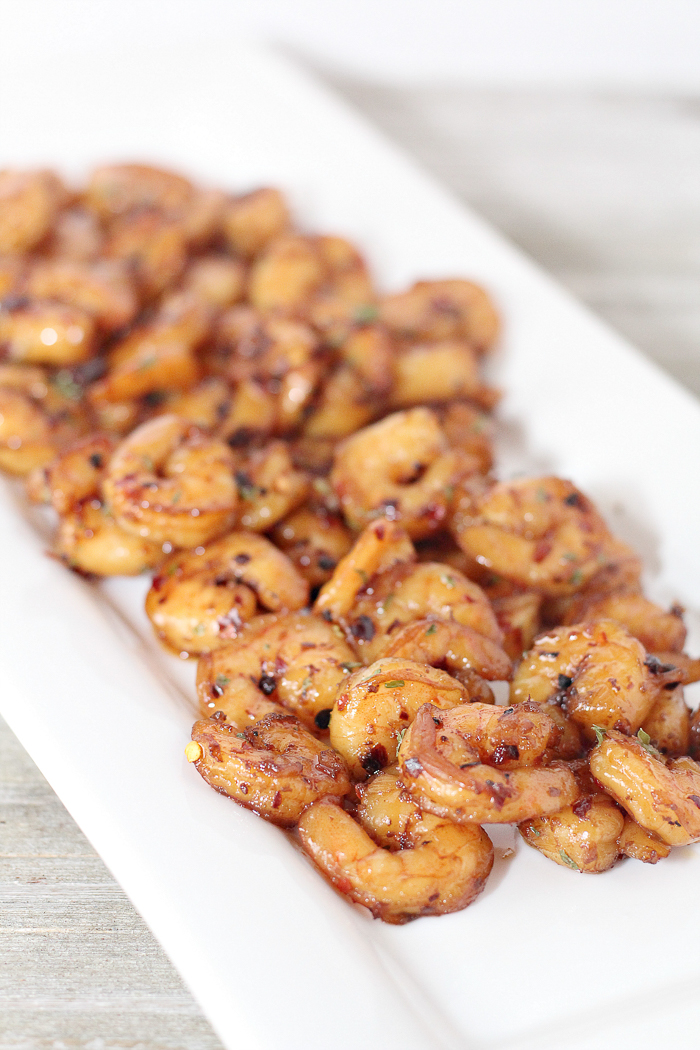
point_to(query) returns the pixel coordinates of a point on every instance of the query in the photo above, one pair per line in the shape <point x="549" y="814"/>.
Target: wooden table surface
<point x="604" y="191"/>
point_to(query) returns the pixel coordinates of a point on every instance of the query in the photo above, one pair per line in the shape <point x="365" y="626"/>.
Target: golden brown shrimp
<point x="269" y="486"/>
<point x="154" y="245"/>
<point x="470" y="429"/>
<point x="443" y="310"/>
<point x="401" y="467"/>
<point x="376" y="704"/>
<point x="541" y="533"/>
<point x="295" y="660"/>
<point x="315" y="539"/>
<point x="170" y="483"/>
<point x="74" y="475"/>
<point x="89" y="540"/>
<point x="583" y="836"/>
<point x="598" y="671"/>
<point x="216" y="280"/>
<point x="285" y="274"/>
<point x="453" y="771"/>
<point x="275" y="767"/>
<point x="639" y="844"/>
<point x="518" y="616"/>
<point x="434" y="867"/>
<point x="439" y="371"/>
<point x="29" y="203"/>
<point x="668" y="724"/>
<point x="45" y="332"/>
<point x="426" y="591"/>
<point x="117" y="189"/>
<point x="251" y="221"/>
<point x="103" y="289"/>
<point x="198" y="601"/>
<point x="663" y="797"/>
<point x="39" y="415"/>
<point x="457" y="648"/>
<point x="382" y="545"/>
<point x="656" y="629"/>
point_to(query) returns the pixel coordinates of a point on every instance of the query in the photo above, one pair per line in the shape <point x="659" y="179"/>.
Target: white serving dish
<point x="545" y="958"/>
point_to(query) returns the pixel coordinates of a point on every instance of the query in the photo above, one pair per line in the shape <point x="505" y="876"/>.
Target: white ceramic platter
<point x="545" y="958"/>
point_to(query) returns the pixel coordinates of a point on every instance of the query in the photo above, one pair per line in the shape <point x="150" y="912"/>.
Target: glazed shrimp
<point x="663" y="797"/>
<point x="269" y="486"/>
<point x="453" y="771"/>
<point x="74" y="475"/>
<point x="170" y="483"/>
<point x="401" y="467"/>
<point x="638" y="844"/>
<point x="315" y="539"/>
<point x="457" y="648"/>
<point x="39" y="415"/>
<point x="599" y="672"/>
<point x="294" y="661"/>
<point x="198" y="601"/>
<point x="275" y="767"/>
<point x="435" y="867"/>
<point x="668" y="724"/>
<point x="656" y="629"/>
<point x="29" y="204"/>
<point x="541" y="533"/>
<point x="382" y="545"/>
<point x="90" y="541"/>
<point x="427" y="591"/>
<point x="443" y="310"/>
<point x="376" y="704"/>
<point x="583" y="836"/>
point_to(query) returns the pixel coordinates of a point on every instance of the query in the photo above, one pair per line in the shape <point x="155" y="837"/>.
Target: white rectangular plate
<point x="545" y="957"/>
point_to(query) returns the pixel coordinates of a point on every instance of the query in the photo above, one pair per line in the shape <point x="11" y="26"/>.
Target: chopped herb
<point x="349" y="666"/>
<point x="222" y="681"/>
<point x="365" y="313"/>
<point x="449" y="581"/>
<point x="600" y="733"/>
<point x="245" y="485"/>
<point x="534" y="831"/>
<point x="432" y="629"/>
<point x="177" y="496"/>
<point x="541" y="496"/>
<point x="148" y="362"/>
<point x="570" y="556"/>
<point x="576" y="578"/>
<point x="399" y="738"/>
<point x="362" y="574"/>
<point x="449" y="491"/>
<point x="396" y="683"/>
<point x="199" y="628"/>
<point x="645" y="740"/>
<point x="148" y="463"/>
<point x="306" y="684"/>
<point x="241" y="735"/>
<point x="66" y="385"/>
<point x="566" y="859"/>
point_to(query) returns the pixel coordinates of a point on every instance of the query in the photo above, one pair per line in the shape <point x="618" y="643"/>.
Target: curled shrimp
<point x="419" y="864"/>
<point x="408" y="592"/>
<point x="29" y="204"/>
<point x="457" y="648"/>
<point x="294" y="661"/>
<point x="638" y="844"/>
<point x="444" y="309"/>
<point x="315" y="539"/>
<point x="382" y="545"/>
<point x="198" y="601"/>
<point x="541" y="533"/>
<point x="104" y="289"/>
<point x="251" y="221"/>
<point x="662" y="797"/>
<point x="168" y="482"/>
<point x="89" y="540"/>
<point x="275" y="767"/>
<point x="401" y="467"/>
<point x="656" y="629"/>
<point x="469" y="764"/>
<point x="376" y="704"/>
<point x="439" y="371"/>
<point x="74" y="475"/>
<point x="598" y="671"/>
<point x="584" y="835"/>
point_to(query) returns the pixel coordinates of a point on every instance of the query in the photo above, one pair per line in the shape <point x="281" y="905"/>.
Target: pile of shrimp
<point x="203" y="392"/>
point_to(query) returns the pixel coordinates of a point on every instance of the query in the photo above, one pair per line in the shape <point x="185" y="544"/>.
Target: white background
<point x="610" y="43"/>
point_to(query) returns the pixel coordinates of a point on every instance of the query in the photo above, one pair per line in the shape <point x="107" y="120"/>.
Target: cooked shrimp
<point x="295" y="660"/>
<point x="117" y="189"/>
<point x="74" y="475"/>
<point x="285" y="275"/>
<point x="457" y="648"/>
<point x="198" y="601"/>
<point x="376" y="704"/>
<point x="599" y="672"/>
<point x="315" y="539"/>
<point x="448" y="772"/>
<point x="44" y="332"/>
<point x="663" y="797"/>
<point x="583" y="835"/>
<point x="668" y="724"/>
<point x="104" y="289"/>
<point x="518" y="616"/>
<point x="656" y="629"/>
<point x="443" y="310"/>
<point x="439" y="371"/>
<point x="275" y="767"/>
<point x="401" y="467"/>
<point x="38" y="416"/>
<point x="269" y="486"/>
<point x="90" y="541"/>
<point x="170" y="483"/>
<point x="382" y="545"/>
<point x="426" y="591"/>
<point x="542" y="533"/>
<point x="434" y="868"/>
<point x="639" y="844"/>
<point x="29" y="203"/>
<point x="251" y="221"/>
